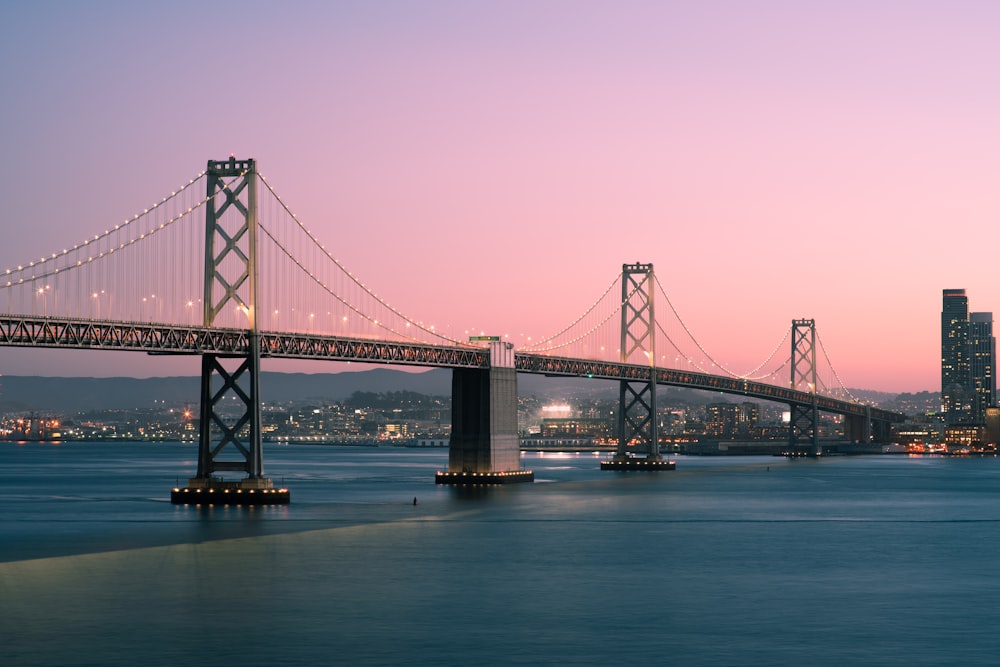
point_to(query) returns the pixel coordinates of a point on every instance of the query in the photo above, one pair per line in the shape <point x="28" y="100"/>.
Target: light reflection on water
<point x="749" y="561"/>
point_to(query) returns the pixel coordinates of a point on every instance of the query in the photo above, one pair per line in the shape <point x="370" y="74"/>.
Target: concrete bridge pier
<point x="864" y="429"/>
<point x="484" y="446"/>
<point x="858" y="428"/>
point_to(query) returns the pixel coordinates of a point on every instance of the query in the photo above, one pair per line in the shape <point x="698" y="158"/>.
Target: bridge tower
<point x="803" y="433"/>
<point x="231" y="442"/>
<point x="485" y="447"/>
<point x="636" y="419"/>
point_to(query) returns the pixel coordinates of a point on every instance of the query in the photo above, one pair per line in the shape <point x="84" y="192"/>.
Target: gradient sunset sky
<point x="493" y="164"/>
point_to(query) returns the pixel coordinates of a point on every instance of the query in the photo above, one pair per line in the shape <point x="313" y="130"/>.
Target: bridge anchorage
<point x="228" y="442"/>
<point x="636" y="419"/>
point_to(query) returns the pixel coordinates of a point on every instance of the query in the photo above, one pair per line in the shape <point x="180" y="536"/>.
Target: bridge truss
<point x="164" y="339"/>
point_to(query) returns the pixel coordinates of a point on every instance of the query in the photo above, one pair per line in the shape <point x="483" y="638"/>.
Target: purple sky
<point x="493" y="164"/>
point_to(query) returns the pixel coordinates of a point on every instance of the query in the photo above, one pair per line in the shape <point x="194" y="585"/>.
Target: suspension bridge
<point x="217" y="270"/>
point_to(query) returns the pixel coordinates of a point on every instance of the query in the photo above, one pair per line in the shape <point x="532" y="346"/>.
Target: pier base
<point x="802" y="454"/>
<point x="484" y="447"/>
<point x="631" y="463"/>
<point x="216" y="491"/>
<point x="466" y="478"/>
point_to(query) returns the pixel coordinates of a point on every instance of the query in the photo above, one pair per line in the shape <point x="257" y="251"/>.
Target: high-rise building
<point x="955" y="370"/>
<point x="982" y="362"/>
<point x="968" y="360"/>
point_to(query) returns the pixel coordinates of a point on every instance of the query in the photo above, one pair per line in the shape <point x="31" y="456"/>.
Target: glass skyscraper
<point x="982" y="359"/>
<point x="968" y="360"/>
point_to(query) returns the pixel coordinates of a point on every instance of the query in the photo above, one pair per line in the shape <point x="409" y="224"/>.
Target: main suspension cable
<point x="538" y="346"/>
<point x="834" y="370"/>
<point x="355" y="280"/>
<point x="746" y="376"/>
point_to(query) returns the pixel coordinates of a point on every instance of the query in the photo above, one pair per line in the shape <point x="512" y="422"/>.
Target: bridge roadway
<point x="31" y="331"/>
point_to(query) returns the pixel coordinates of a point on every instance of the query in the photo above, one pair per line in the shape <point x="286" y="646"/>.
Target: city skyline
<point x="490" y="167"/>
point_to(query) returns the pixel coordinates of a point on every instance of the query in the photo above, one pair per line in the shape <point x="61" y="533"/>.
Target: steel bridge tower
<point x="636" y="419"/>
<point x="231" y="441"/>
<point x="803" y="434"/>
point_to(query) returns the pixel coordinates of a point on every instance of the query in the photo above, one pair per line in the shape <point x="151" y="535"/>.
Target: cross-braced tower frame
<point x="803" y="434"/>
<point x="229" y="437"/>
<point x="637" y="400"/>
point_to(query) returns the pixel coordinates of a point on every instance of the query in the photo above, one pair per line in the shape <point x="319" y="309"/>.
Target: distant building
<point x="968" y="361"/>
<point x="964" y="436"/>
<point x="574" y="426"/>
<point x="730" y="420"/>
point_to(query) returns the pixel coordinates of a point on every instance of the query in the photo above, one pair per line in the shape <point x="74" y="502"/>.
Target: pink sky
<point x="491" y="165"/>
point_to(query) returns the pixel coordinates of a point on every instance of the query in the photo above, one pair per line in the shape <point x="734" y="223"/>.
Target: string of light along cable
<point x="703" y="370"/>
<point x="777" y="370"/>
<point x="113" y="290"/>
<point x="536" y="347"/>
<point x="590" y="331"/>
<point x="678" y="350"/>
<point x="768" y="360"/>
<point x="104" y="253"/>
<point x="350" y="275"/>
<point x="330" y="291"/>
<point x="834" y="370"/>
<point x="725" y="370"/>
<point x="97" y="238"/>
<point x="336" y="296"/>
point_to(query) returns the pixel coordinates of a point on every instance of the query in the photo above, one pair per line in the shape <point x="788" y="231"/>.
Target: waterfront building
<point x="964" y="437"/>
<point x="968" y="360"/>
<point x="955" y="368"/>
<point x="982" y="360"/>
<point x="574" y="426"/>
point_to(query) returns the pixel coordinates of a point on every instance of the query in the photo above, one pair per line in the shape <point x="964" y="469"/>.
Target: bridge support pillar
<point x="881" y="430"/>
<point x="864" y="429"/>
<point x="231" y="442"/>
<point x="637" y="416"/>
<point x="803" y="428"/>
<point x="484" y="446"/>
<point x="858" y="428"/>
<point x="637" y="427"/>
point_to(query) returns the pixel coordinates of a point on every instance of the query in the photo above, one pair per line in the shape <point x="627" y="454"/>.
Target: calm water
<point x="730" y="561"/>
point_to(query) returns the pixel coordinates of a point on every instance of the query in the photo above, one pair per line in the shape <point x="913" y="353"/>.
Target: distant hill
<point x="76" y="394"/>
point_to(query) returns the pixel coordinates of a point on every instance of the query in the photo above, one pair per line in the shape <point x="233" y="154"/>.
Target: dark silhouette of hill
<point x="74" y="394"/>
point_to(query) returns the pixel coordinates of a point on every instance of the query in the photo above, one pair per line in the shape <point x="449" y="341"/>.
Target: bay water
<point x="881" y="560"/>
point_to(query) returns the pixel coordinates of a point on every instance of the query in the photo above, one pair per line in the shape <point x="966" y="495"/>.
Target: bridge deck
<point x="27" y="331"/>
